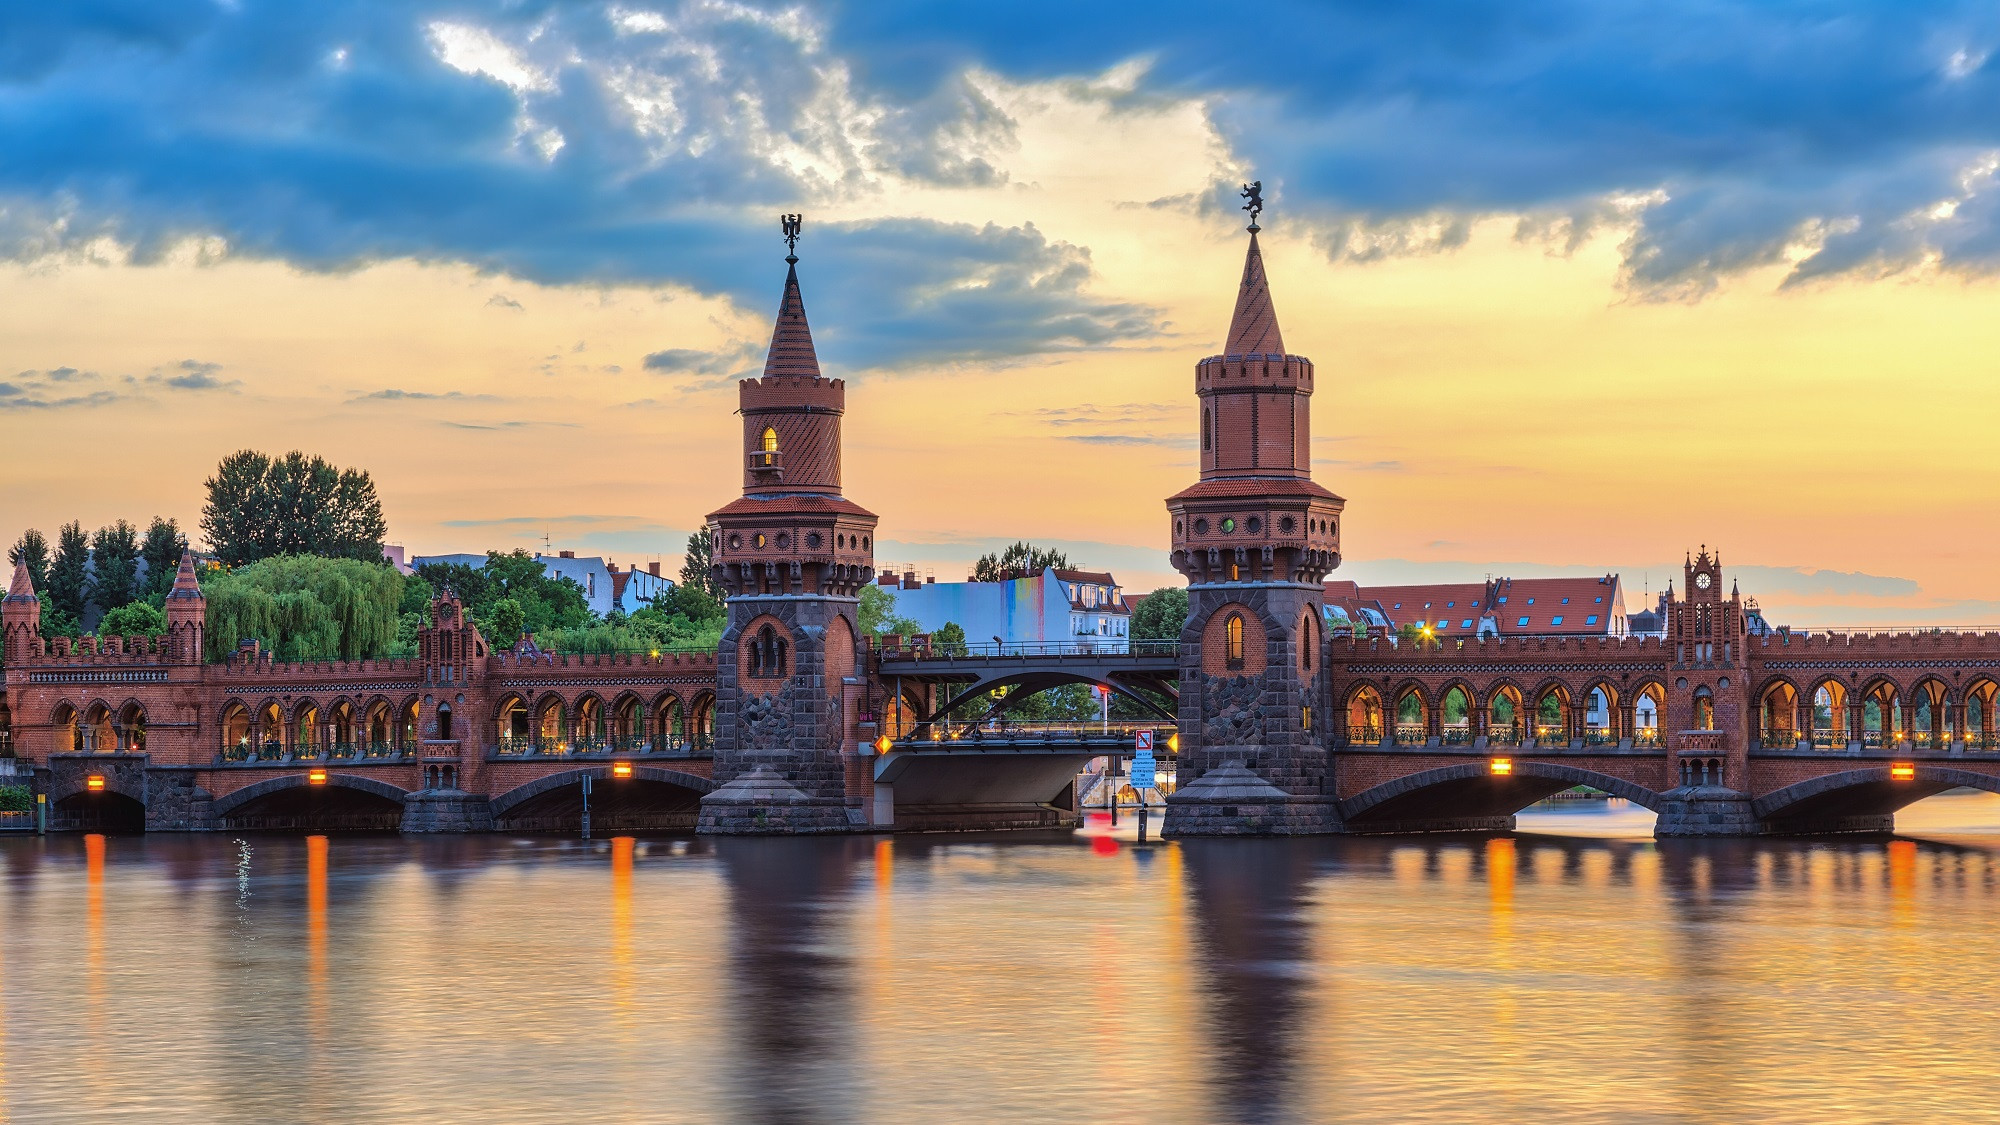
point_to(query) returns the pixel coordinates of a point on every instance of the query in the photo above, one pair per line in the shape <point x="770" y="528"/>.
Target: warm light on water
<point x="1543" y="977"/>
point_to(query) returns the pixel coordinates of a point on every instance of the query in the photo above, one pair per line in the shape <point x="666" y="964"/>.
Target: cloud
<point x="511" y="425"/>
<point x="393" y="394"/>
<point x="695" y="361"/>
<point x="194" y="375"/>
<point x="502" y="301"/>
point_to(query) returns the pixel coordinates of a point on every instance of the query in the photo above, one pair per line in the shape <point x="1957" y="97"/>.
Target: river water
<point x="1573" y="972"/>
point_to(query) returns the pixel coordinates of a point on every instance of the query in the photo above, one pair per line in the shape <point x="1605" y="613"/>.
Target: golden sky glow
<point x="1502" y="406"/>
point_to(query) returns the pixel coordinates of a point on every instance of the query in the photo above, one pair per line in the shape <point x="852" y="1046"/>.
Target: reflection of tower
<point x="792" y="992"/>
<point x="1255" y="538"/>
<point x="791" y="555"/>
<point x="1253" y="934"/>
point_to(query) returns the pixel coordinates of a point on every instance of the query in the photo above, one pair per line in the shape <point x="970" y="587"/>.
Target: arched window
<point x="770" y="442"/>
<point x="1207" y="434"/>
<point x="1232" y="631"/>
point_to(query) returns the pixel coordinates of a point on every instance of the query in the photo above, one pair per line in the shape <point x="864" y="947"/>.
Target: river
<point x="1572" y="972"/>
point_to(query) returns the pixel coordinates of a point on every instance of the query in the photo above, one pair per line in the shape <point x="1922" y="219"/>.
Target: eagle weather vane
<point x="791" y="225"/>
<point x="1254" y="192"/>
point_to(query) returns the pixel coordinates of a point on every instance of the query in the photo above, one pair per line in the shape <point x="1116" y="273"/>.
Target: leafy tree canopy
<point x="161" y="550"/>
<point x="1162" y="615"/>
<point x="260" y="507"/>
<point x="695" y="571"/>
<point x="1023" y="558"/>
<point x="545" y="603"/>
<point x="304" y="607"/>
<point x="133" y="619"/>
<point x="877" y="613"/>
<point x="69" y="573"/>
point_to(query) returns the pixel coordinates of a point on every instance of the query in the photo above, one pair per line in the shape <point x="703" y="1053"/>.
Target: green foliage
<point x="1161" y="615"/>
<point x="33" y="549"/>
<point x="695" y="603"/>
<point x="949" y="640"/>
<point x="56" y="623"/>
<point x="1069" y="701"/>
<point x="695" y="572"/>
<point x="16" y="798"/>
<point x="70" y="571"/>
<point x="417" y="595"/>
<point x="133" y="619"/>
<point x="161" y="549"/>
<point x="114" y="568"/>
<point x="545" y="603"/>
<point x="303" y="607"/>
<point x="1023" y="558"/>
<point x="877" y="613"/>
<point x="508" y="621"/>
<point x="261" y="507"/>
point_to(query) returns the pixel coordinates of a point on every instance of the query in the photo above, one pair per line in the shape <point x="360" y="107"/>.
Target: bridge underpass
<point x="999" y="774"/>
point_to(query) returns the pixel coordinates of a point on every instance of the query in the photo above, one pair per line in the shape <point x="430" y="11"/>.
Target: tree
<point x="508" y="621"/>
<point x="261" y="507"/>
<point x="877" y="613"/>
<point x="114" y="569"/>
<point x="1023" y="558"/>
<point x="56" y="623"/>
<point x="949" y="640"/>
<point x="70" y="572"/>
<point x="1162" y="615"/>
<point x="695" y="571"/>
<point x="161" y="550"/>
<point x="133" y="619"/>
<point x="302" y="607"/>
<point x="32" y="549"/>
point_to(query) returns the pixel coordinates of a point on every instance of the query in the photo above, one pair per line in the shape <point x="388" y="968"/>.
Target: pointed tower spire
<point x="791" y="339"/>
<point x="185" y="583"/>
<point x="1253" y="330"/>
<point x="23" y="586"/>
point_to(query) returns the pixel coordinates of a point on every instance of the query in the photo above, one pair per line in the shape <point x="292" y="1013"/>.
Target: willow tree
<point x="302" y="607"/>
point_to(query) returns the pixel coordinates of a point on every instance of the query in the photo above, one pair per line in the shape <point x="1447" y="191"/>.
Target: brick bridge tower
<point x="20" y="618"/>
<point x="1708" y="715"/>
<point x="1255" y="538"/>
<point x="791" y="555"/>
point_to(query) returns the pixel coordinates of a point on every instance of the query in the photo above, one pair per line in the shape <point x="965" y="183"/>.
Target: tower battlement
<point x="793" y="392"/>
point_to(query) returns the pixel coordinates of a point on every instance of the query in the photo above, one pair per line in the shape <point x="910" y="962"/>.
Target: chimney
<point x="612" y="567"/>
<point x="888" y="578"/>
<point x="910" y="578"/>
<point x="653" y="568"/>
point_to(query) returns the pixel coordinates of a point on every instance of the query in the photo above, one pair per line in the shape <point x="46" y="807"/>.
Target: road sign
<point x="1142" y="742"/>
<point x="1143" y="769"/>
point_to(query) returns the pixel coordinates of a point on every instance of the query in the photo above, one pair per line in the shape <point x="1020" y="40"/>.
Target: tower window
<point x="1232" y="632"/>
<point x="1207" y="437"/>
<point x="770" y="442"/>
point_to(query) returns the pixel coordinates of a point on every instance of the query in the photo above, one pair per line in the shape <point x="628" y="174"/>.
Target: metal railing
<point x="271" y="750"/>
<point x="606" y="748"/>
<point x="1646" y="736"/>
<point x="1094" y="645"/>
<point x="1016" y="730"/>
<point x="1599" y="736"/>
<point x="1412" y="734"/>
<point x="1503" y="734"/>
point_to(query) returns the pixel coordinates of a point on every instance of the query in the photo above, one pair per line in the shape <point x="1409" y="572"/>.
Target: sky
<point x="1588" y="284"/>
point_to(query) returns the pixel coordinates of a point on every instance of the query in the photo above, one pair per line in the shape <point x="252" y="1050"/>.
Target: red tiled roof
<point x="1255" y="488"/>
<point x="791" y="338"/>
<point x="791" y="502"/>
<point x="1540" y="600"/>
<point x="1094" y="577"/>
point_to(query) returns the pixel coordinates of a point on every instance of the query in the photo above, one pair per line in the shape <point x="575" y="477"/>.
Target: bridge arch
<point x="652" y="798"/>
<point x="1470" y="795"/>
<point x="1859" y="800"/>
<point x="343" y="802"/>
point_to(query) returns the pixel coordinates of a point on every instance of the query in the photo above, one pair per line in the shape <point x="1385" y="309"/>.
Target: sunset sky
<point x="1588" y="283"/>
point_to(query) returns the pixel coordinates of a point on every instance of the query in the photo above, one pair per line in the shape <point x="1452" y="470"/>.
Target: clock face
<point x="1701" y="580"/>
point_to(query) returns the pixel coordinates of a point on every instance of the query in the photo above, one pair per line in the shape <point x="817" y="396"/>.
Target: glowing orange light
<point x="882" y="744"/>
<point x="1174" y="743"/>
<point x="315" y="777"/>
<point x="1903" y="771"/>
<point x="621" y="769"/>
<point x="1501" y="767"/>
<point x="94" y="783"/>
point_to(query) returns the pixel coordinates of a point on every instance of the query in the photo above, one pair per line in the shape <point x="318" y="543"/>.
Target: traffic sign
<point x="1143" y="770"/>
<point x="1142" y="742"/>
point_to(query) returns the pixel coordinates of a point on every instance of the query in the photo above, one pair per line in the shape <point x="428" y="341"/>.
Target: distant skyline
<point x="1587" y="285"/>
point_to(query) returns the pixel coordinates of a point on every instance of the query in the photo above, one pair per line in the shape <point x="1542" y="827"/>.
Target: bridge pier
<point x="1231" y="800"/>
<point x="1706" y="810"/>
<point x="428" y="811"/>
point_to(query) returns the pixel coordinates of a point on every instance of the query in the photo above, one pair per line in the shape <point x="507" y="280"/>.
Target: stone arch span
<point x="224" y="806"/>
<point x="652" y="799"/>
<point x="1860" y="800"/>
<point x="1470" y="796"/>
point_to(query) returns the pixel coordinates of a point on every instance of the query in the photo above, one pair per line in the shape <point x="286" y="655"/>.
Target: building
<point x="1085" y="608"/>
<point x="1498" y="607"/>
<point x="606" y="585"/>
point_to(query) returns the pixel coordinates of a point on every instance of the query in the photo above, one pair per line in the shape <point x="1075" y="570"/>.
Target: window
<point x="1443" y="624"/>
<point x="1205" y="435"/>
<point x="1398" y="605"/>
<point x="1556" y="620"/>
<point x="1502" y="601"/>
<point x="1232" y="632"/>
<point x="1565" y="601"/>
<point x="770" y="440"/>
<point x="1591" y="620"/>
<point x="1306" y="717"/>
<point x="1449" y="605"/>
<point x="1465" y="624"/>
<point x="1521" y="624"/>
<point x="1600" y="597"/>
<point x="1531" y="601"/>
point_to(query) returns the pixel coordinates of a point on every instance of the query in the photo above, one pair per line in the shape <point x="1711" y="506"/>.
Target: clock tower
<point x="1708" y="713"/>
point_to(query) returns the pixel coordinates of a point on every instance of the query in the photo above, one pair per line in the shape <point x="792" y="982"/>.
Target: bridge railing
<point x="925" y="648"/>
<point x="1054" y="730"/>
<point x="698" y="747"/>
